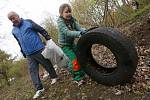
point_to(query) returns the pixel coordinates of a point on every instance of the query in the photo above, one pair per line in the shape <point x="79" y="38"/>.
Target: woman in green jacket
<point x="69" y="29"/>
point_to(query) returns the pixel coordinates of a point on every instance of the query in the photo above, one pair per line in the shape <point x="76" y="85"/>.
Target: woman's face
<point x="67" y="13"/>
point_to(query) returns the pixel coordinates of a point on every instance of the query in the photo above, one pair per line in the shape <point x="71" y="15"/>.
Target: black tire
<point x="123" y="50"/>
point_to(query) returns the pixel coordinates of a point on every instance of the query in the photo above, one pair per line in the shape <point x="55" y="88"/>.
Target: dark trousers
<point x="34" y="61"/>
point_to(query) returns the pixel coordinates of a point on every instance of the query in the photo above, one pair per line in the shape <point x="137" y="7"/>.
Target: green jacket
<point x="65" y="35"/>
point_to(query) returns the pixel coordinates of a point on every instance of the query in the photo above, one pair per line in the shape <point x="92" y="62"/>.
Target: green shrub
<point x="18" y="69"/>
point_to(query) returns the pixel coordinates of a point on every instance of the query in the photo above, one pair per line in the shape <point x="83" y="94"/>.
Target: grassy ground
<point x="65" y="89"/>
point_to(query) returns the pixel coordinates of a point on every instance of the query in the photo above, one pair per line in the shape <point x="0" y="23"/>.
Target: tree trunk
<point x="105" y="13"/>
<point x="124" y="2"/>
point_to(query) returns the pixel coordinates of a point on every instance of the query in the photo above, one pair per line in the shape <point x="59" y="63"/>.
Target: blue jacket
<point x="26" y="33"/>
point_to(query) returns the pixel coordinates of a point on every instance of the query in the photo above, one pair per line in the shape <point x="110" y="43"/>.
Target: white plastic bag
<point x="55" y="54"/>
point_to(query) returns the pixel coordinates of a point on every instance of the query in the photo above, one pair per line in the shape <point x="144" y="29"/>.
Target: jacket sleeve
<point x="20" y="46"/>
<point x="40" y="29"/>
<point x="78" y="27"/>
<point x="64" y="29"/>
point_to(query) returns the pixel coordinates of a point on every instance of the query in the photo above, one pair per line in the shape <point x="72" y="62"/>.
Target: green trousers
<point x="75" y="68"/>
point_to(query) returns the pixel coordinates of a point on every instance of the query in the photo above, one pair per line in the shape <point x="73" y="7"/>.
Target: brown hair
<point x="62" y="7"/>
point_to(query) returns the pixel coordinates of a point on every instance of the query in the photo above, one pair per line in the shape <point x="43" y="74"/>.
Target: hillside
<point x="138" y="30"/>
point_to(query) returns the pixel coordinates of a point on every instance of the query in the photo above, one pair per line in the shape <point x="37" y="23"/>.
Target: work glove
<point x="83" y="32"/>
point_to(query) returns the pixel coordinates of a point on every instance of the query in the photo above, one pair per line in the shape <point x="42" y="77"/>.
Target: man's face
<point x="14" y="18"/>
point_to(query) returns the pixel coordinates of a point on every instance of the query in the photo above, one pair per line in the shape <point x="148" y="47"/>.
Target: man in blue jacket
<point x="26" y="32"/>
